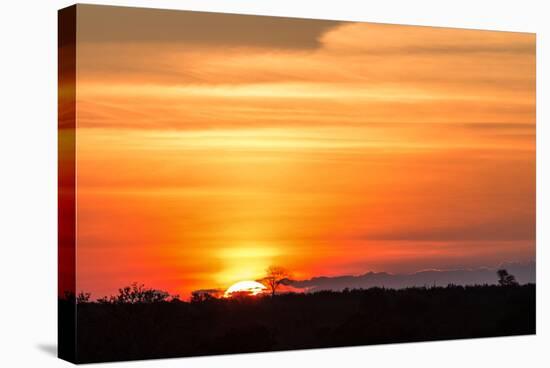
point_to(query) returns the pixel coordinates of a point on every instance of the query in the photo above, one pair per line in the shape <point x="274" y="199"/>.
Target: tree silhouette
<point x="505" y="279"/>
<point x="136" y="293"/>
<point x="83" y="297"/>
<point x="275" y="276"/>
<point x="242" y="296"/>
<point x="200" y="296"/>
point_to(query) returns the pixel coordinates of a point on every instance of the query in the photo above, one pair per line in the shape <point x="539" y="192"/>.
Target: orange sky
<point x="211" y="146"/>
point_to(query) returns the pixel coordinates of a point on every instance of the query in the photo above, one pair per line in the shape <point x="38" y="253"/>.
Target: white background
<point x="28" y="182"/>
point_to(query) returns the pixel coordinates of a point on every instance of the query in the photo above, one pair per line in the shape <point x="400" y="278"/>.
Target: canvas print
<point x="235" y="183"/>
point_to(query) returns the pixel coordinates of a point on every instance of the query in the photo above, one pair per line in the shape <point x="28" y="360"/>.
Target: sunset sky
<point x="210" y="146"/>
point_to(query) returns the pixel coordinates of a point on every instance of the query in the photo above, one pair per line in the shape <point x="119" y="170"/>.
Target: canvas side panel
<point x="66" y="183"/>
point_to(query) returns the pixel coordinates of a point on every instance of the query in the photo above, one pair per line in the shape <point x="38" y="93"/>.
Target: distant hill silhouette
<point x="524" y="273"/>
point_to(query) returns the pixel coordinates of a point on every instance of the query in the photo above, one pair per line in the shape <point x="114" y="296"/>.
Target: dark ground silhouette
<point x="111" y="331"/>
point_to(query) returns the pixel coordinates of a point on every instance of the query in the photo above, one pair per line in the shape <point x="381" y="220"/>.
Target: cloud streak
<point x="505" y="229"/>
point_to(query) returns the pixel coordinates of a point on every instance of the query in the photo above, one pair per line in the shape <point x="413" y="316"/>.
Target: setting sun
<point x="245" y="287"/>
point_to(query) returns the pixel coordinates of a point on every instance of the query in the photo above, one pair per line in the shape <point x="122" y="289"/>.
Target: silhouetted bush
<point x="133" y="294"/>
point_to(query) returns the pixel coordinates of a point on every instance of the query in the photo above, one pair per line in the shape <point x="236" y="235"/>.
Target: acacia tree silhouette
<point x="275" y="276"/>
<point x="505" y="279"/>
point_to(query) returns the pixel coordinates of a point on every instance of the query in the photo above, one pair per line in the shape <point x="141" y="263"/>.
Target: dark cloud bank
<point x="128" y="24"/>
<point x="524" y="273"/>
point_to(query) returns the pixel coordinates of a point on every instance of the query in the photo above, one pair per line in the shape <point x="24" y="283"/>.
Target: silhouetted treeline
<point x="126" y="331"/>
